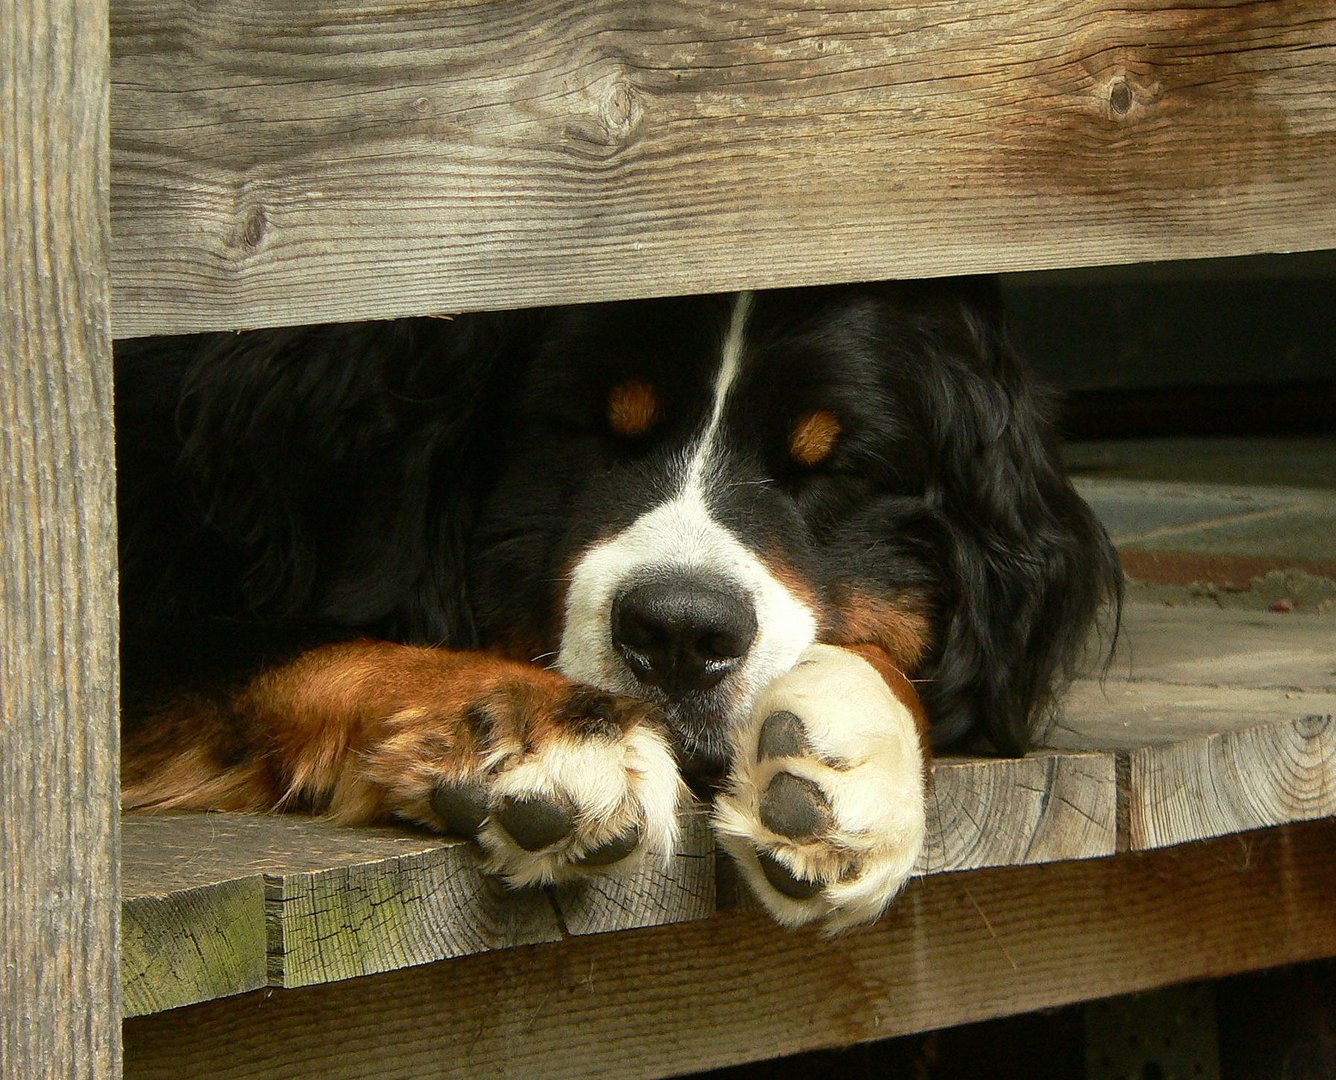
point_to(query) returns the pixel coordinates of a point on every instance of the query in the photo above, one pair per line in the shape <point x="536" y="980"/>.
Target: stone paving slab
<point x="1229" y="545"/>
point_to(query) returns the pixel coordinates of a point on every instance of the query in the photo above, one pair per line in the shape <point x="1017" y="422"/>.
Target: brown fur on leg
<point x="196" y="752"/>
<point x="346" y="729"/>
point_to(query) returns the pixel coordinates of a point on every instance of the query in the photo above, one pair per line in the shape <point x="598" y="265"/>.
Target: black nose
<point x="682" y="635"/>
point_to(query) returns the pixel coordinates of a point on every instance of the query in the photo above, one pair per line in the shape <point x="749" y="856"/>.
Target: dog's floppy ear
<point x="1029" y="565"/>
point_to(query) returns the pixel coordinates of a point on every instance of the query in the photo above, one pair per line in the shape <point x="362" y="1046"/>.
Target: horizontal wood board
<point x="278" y="163"/>
<point x="221" y="903"/>
<point x="956" y="948"/>
<point x="1220" y="722"/>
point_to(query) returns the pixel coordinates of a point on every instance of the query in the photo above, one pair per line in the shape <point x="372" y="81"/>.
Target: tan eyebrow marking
<point x="814" y="437"/>
<point x="633" y="407"/>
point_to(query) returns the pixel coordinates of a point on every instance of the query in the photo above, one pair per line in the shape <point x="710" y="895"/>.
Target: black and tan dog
<point x="512" y="577"/>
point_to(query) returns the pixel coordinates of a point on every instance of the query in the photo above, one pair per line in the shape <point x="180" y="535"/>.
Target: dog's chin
<point x="699" y="739"/>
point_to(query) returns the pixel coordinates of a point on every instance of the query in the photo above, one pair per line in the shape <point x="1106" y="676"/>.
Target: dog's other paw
<point x="553" y="780"/>
<point x="824" y="805"/>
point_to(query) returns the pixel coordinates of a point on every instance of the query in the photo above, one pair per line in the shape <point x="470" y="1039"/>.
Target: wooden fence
<point x="284" y="162"/>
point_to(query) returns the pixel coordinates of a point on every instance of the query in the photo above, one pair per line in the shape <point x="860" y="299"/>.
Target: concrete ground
<point x="1236" y="523"/>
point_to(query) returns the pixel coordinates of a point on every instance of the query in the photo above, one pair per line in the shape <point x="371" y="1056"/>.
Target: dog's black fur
<point x="430" y="480"/>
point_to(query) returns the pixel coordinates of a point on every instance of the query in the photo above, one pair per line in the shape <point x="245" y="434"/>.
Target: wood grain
<point x="653" y="895"/>
<point x="220" y="903"/>
<point x="192" y="944"/>
<point x="1004" y="812"/>
<point x="280" y="163"/>
<point x="1233" y="781"/>
<point x="957" y="948"/>
<point x="1203" y="761"/>
<point x="59" y="915"/>
<point x="377" y="916"/>
<point x="247" y="901"/>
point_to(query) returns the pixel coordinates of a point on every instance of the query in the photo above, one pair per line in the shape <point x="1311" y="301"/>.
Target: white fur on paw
<point x="609" y="802"/>
<point x="824" y="809"/>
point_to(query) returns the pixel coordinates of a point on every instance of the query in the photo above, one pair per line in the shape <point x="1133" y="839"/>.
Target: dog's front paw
<point x="824" y="807"/>
<point x="552" y="780"/>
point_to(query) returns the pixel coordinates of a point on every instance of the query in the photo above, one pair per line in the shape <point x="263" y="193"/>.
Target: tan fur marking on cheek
<point x="894" y="626"/>
<point x="633" y="408"/>
<point x="814" y="437"/>
<point x="796" y="585"/>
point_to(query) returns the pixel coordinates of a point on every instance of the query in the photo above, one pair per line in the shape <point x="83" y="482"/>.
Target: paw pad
<point x="613" y="851"/>
<point x="782" y="735"/>
<point x="795" y="807"/>
<point x="785" y="880"/>
<point x="536" y="823"/>
<point x="462" y="808"/>
<point x="824" y="806"/>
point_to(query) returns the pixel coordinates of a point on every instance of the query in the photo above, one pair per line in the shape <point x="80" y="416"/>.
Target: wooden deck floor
<point x="1208" y="723"/>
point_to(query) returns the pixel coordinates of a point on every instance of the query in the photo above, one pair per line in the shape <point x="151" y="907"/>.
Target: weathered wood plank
<point x="1045" y="808"/>
<point x="1203" y="761"/>
<point x="182" y="850"/>
<point x="1196" y="761"/>
<point x="220" y="903"/>
<point x="59" y="915"/>
<point x="957" y="948"/>
<point x="1232" y="782"/>
<point x="1221" y="720"/>
<point x="279" y="163"/>
<point x="1207" y="646"/>
<point x="1122" y="716"/>
<point x="377" y="916"/>
<point x="332" y="903"/>
<point x="652" y="895"/>
<point x="192" y="944"/>
<point x="1217" y="718"/>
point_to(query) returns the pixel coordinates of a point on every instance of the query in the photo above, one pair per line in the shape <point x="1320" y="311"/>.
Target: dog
<point x="516" y="577"/>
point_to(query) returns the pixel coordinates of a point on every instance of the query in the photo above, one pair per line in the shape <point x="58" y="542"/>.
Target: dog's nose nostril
<point x="682" y="635"/>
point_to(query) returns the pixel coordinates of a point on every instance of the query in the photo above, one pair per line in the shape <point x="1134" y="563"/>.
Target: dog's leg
<point x="551" y="778"/>
<point x="824" y="807"/>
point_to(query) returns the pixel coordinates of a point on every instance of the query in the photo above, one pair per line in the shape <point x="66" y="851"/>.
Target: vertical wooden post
<point x="59" y="906"/>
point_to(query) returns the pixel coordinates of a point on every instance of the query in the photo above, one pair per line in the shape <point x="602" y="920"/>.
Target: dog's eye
<point x="633" y="408"/>
<point x="814" y="437"/>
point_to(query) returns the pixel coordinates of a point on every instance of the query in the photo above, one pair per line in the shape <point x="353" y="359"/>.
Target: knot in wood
<point x="621" y="109"/>
<point x="253" y="228"/>
<point x="1120" y="97"/>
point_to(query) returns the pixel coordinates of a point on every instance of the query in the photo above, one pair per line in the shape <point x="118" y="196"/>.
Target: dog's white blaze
<point x="681" y="536"/>
<point x="730" y="363"/>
